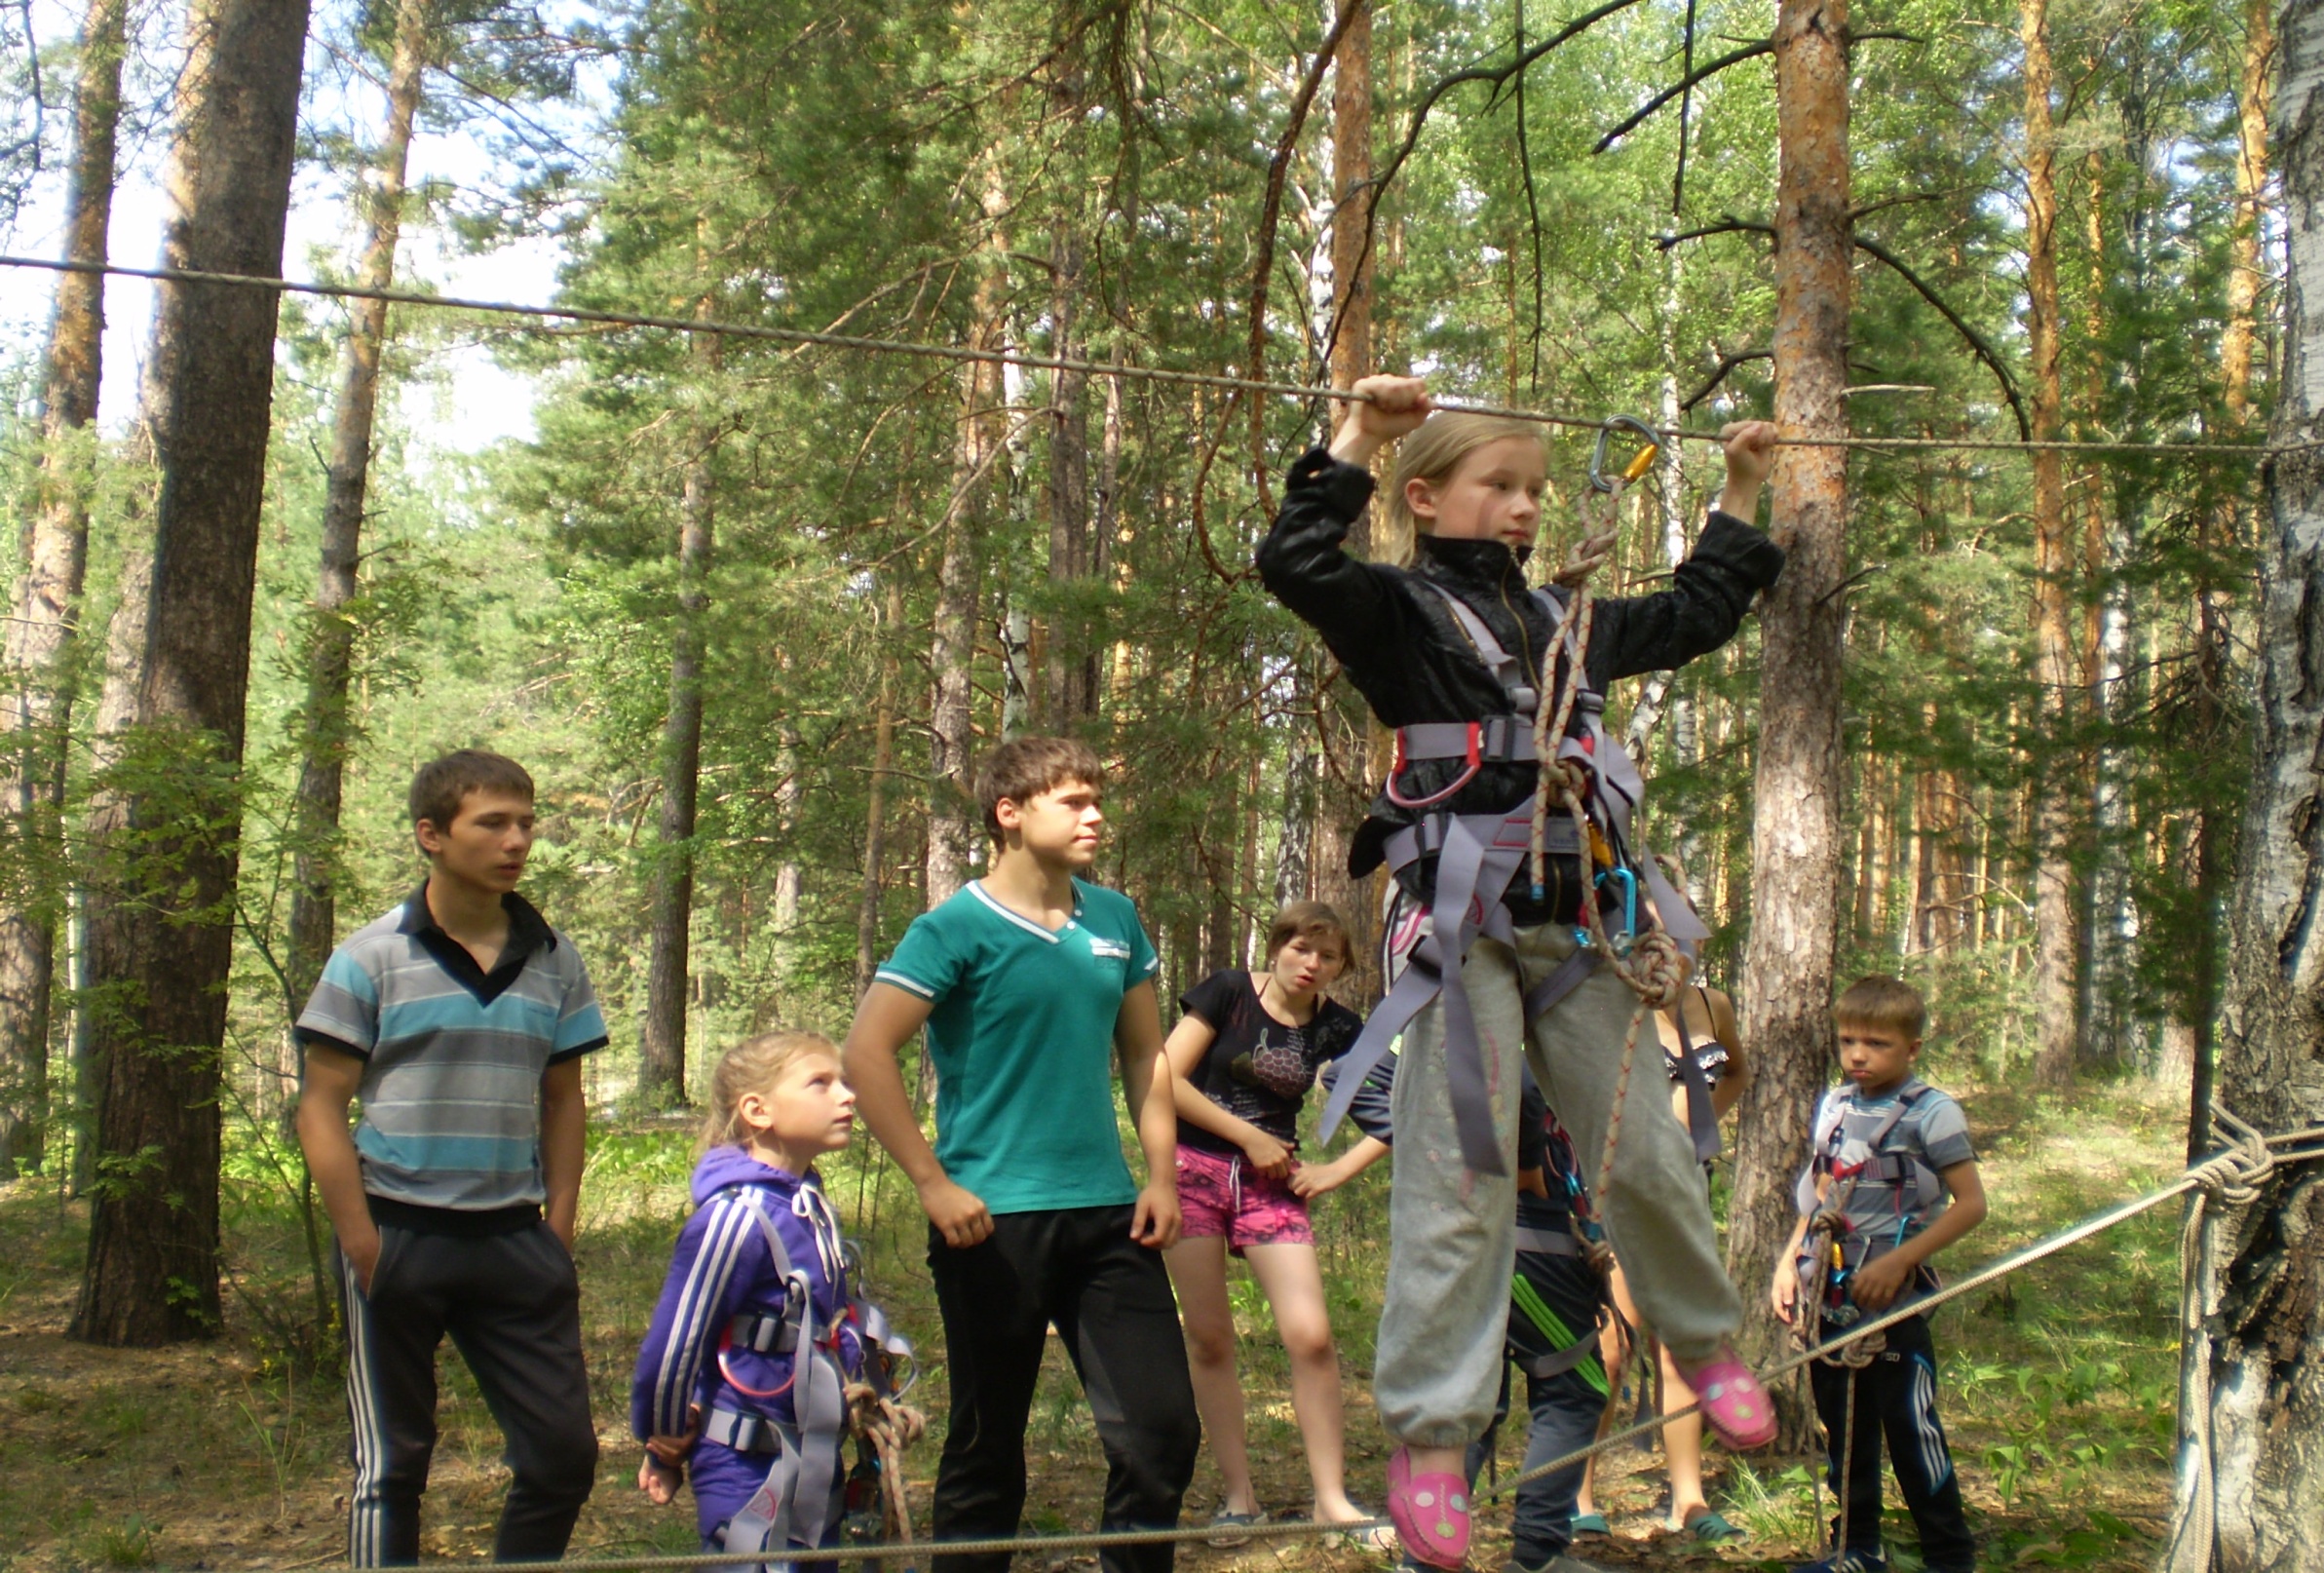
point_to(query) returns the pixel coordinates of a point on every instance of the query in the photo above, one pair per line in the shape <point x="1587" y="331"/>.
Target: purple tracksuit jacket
<point x="722" y="1268"/>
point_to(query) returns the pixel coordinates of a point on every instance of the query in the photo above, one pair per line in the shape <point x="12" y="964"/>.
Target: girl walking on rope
<point x="1458" y="654"/>
<point x="1241" y="1060"/>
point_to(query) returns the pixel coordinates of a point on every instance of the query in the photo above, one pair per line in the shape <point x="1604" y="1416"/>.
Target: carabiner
<point x="1598" y="480"/>
<point x="1629" y="888"/>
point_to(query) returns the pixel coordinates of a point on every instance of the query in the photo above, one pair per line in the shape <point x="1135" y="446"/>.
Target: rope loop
<point x="2235" y="1175"/>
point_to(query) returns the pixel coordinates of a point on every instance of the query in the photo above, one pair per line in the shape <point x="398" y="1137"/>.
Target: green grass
<point x="2057" y="1387"/>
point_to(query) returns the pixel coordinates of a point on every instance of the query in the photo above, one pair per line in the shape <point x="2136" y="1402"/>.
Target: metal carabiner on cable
<point x="1640" y="462"/>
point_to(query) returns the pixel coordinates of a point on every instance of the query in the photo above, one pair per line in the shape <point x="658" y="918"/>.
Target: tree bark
<point x="164" y="937"/>
<point x="2055" y="957"/>
<point x="2253" y="1373"/>
<point x="952" y="782"/>
<point x="1069" y="680"/>
<point x="875" y="814"/>
<point x="1796" y="819"/>
<point x="662" y="1047"/>
<point x="327" y="734"/>
<point x="35" y="721"/>
<point x="2215" y="706"/>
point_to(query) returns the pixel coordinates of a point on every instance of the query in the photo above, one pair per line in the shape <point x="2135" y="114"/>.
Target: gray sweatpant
<point x="1452" y="1232"/>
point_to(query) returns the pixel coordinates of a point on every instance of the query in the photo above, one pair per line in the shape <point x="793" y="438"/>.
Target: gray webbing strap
<point x="1543" y="996"/>
<point x="743" y="1432"/>
<point x="1542" y="1367"/>
<point x="1470" y="878"/>
<point x="1501" y="739"/>
<point x="1515" y="681"/>
<point x="1427" y="838"/>
<point x="792" y="1506"/>
<point x="1548" y="1242"/>
<point x="762" y="1334"/>
<point x="1702" y="1119"/>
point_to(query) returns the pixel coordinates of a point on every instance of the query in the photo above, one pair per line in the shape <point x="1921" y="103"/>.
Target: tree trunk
<point x="662" y="1047"/>
<point x="2214" y="704"/>
<point x="2253" y="1374"/>
<point x="326" y="733"/>
<point x="952" y="784"/>
<point x="2246" y="272"/>
<point x="2055" y="958"/>
<point x="38" y="714"/>
<point x="1069" y="680"/>
<point x="164" y="937"/>
<point x="875" y="814"/>
<point x="1348" y="738"/>
<point x="1796" y="819"/>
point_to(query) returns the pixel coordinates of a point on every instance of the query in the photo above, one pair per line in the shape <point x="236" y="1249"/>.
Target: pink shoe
<point x="1431" y="1512"/>
<point x="1737" y="1406"/>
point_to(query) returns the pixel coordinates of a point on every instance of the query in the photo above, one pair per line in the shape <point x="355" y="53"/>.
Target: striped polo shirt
<point x="453" y="1055"/>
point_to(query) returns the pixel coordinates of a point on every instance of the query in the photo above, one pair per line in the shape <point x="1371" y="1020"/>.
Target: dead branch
<point x="1978" y="345"/>
<point x="1271" y="209"/>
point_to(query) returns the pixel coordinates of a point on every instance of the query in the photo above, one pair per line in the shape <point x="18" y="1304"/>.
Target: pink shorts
<point x="1222" y="1194"/>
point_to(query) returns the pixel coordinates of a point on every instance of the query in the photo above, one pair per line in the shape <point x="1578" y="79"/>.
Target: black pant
<point x="1894" y="1397"/>
<point x="1111" y="1300"/>
<point x="513" y="1306"/>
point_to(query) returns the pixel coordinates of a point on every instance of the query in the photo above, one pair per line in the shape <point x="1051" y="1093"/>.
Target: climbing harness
<point x="792" y="1509"/>
<point x="1584" y="767"/>
<point x="1848" y="1147"/>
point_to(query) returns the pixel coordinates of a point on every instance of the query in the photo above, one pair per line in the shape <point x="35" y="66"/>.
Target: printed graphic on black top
<point x="1258" y="1068"/>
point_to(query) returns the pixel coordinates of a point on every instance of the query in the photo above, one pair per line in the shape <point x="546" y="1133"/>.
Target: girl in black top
<point x="1242" y="1058"/>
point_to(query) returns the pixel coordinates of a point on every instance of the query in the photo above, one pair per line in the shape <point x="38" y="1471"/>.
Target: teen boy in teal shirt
<point x="1031" y="984"/>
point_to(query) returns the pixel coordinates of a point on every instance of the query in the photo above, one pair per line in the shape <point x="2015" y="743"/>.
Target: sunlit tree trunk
<point x="1350" y="739"/>
<point x="2055" y="959"/>
<point x="2253" y="1375"/>
<point x="1797" y="816"/>
<point x="2215" y="704"/>
<point x="875" y="811"/>
<point x="327" y="732"/>
<point x="952" y="800"/>
<point x="162" y="931"/>
<point x="1069" y="677"/>
<point x="38" y="708"/>
<point x="662" y="1046"/>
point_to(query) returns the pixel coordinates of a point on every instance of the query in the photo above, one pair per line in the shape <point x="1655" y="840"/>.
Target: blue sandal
<point x="1589" y="1523"/>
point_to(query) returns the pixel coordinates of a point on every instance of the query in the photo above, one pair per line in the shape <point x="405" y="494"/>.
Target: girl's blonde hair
<point x="1435" y="449"/>
<point x="754" y="1065"/>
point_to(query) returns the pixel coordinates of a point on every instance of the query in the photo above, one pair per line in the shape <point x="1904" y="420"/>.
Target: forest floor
<point x="2057" y="1387"/>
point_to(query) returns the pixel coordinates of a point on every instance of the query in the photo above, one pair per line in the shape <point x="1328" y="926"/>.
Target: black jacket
<point x="1406" y="655"/>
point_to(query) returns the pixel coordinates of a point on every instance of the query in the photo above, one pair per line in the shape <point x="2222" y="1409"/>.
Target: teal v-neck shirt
<point x="1021" y="1031"/>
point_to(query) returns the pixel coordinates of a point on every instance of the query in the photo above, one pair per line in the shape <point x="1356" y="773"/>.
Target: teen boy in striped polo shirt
<point x="460" y="1019"/>
<point x="1032" y="984"/>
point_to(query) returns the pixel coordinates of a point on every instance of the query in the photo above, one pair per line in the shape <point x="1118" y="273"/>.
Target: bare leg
<point x="1198" y="1272"/>
<point x="1613" y="1350"/>
<point x="1294" y="1286"/>
<point x="1682" y="1448"/>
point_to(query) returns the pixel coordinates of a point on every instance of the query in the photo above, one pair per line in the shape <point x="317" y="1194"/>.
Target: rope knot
<point x="2235" y="1175"/>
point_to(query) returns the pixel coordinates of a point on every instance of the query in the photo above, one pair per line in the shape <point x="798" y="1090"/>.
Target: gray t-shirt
<point x="1884" y="1204"/>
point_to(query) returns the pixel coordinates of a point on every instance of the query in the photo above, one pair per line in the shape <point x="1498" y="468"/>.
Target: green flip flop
<point x="1711" y="1526"/>
<point x="1590" y="1523"/>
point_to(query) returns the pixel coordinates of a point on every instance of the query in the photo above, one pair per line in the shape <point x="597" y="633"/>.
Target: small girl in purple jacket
<point x="741" y="1383"/>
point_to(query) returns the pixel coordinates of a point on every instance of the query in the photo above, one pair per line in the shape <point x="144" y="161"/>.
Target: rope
<point x="2234" y="1179"/>
<point x="2232" y="1174"/>
<point x="1103" y="369"/>
<point x="2299" y="1146"/>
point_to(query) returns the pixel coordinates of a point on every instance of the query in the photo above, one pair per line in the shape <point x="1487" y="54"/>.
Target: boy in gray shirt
<point x="1891" y="1179"/>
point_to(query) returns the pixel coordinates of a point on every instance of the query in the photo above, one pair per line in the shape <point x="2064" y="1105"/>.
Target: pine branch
<point x="1686" y="85"/>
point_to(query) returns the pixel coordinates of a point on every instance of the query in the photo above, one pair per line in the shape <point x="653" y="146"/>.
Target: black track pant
<point x="1894" y="1399"/>
<point x="1111" y="1300"/>
<point x="512" y="1308"/>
